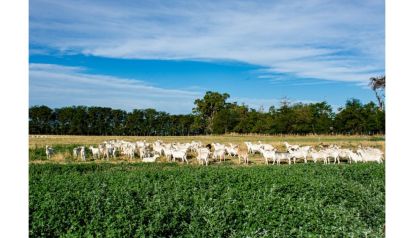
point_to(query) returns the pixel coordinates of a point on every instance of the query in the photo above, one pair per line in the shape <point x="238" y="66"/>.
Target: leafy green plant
<point x="168" y="200"/>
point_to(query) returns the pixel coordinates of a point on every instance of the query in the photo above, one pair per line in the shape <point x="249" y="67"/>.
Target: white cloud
<point x="57" y="86"/>
<point x="331" y="40"/>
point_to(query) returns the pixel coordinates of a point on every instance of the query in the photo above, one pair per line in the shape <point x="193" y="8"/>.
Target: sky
<point x="165" y="54"/>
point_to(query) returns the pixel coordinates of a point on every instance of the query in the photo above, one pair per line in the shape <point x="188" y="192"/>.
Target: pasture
<point x="124" y="197"/>
<point x="65" y="144"/>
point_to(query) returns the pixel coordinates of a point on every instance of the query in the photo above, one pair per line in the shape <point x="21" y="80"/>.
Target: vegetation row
<point x="212" y="114"/>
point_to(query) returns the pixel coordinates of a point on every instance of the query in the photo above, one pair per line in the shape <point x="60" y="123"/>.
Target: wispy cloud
<point x="57" y="86"/>
<point x="329" y="40"/>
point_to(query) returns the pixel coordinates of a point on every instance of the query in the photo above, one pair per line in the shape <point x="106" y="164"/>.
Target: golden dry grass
<point x="277" y="141"/>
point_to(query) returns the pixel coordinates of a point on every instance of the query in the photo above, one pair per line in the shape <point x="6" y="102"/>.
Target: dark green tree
<point x="208" y="107"/>
<point x="351" y="118"/>
<point x="41" y="120"/>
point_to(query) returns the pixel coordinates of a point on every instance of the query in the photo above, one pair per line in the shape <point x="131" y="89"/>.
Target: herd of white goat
<point x="150" y="152"/>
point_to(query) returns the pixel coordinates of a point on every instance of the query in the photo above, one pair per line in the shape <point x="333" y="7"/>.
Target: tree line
<point x="212" y="114"/>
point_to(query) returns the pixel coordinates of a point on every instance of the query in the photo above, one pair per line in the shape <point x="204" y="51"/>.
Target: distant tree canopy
<point x="211" y="115"/>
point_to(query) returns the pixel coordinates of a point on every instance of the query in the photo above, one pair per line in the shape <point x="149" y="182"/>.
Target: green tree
<point x="40" y="120"/>
<point x="351" y="118"/>
<point x="208" y="107"/>
<point x="117" y="123"/>
<point x="322" y="117"/>
<point x="134" y="123"/>
<point x="374" y="118"/>
<point x="285" y="118"/>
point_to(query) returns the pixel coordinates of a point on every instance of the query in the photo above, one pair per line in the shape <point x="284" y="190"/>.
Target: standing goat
<point x="82" y="153"/>
<point x="245" y="156"/>
<point x="95" y="152"/>
<point x="49" y="151"/>
<point x="202" y="155"/>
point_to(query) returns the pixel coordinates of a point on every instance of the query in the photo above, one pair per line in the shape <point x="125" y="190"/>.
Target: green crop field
<point x="169" y="200"/>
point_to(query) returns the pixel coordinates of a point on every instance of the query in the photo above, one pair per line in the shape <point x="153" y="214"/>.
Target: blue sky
<point x="165" y="54"/>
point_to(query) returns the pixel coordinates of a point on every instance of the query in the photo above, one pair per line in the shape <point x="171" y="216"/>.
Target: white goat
<point x="268" y="154"/>
<point x="301" y="153"/>
<point x="130" y="152"/>
<point x="332" y="152"/>
<point x="76" y="151"/>
<point x="95" y="152"/>
<point x="317" y="155"/>
<point x="355" y="157"/>
<point x="49" y="151"/>
<point x="158" y="148"/>
<point x="282" y="156"/>
<point x="219" y="154"/>
<point x="168" y="153"/>
<point x="252" y="148"/>
<point x="202" y="155"/>
<point x="101" y="148"/>
<point x="248" y="145"/>
<point x="344" y="154"/>
<point x="83" y="153"/>
<point x="370" y="155"/>
<point x="180" y="154"/>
